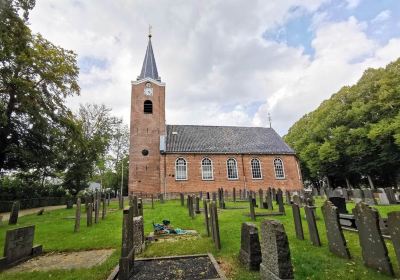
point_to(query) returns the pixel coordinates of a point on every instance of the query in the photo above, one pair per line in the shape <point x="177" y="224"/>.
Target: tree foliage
<point x="355" y="133"/>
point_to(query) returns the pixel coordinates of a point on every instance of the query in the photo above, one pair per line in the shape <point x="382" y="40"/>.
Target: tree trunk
<point x="348" y="183"/>
<point x="371" y="183"/>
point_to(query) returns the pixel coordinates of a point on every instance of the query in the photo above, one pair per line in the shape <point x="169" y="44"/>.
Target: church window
<point x="256" y="169"/>
<point x="148" y="107"/>
<point x="231" y="166"/>
<point x="279" y="171"/>
<point x="180" y="169"/>
<point x="206" y="169"/>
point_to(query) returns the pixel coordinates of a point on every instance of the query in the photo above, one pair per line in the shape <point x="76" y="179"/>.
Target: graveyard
<point x="54" y="230"/>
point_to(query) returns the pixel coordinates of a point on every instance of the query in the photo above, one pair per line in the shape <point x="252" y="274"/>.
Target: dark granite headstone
<point x="152" y="202"/>
<point x="215" y="225"/>
<point x="276" y="263"/>
<point x="138" y="234"/>
<point x="390" y="195"/>
<point x="214" y="196"/>
<point x="279" y="198"/>
<point x="89" y="215"/>
<point x="297" y="200"/>
<point x="288" y="198"/>
<point x="206" y="217"/>
<point x="273" y="194"/>
<point x="182" y="199"/>
<point x="394" y="231"/>
<point x="78" y="215"/>
<point x="234" y="194"/>
<point x="261" y="197"/>
<point x="252" y="211"/>
<point x="336" y="241"/>
<point x="250" y="251"/>
<point x="340" y="203"/>
<point x="197" y="203"/>
<point x="374" y="251"/>
<point x="297" y="221"/>
<point x="18" y="246"/>
<point x="312" y="225"/>
<point x="14" y="213"/>
<point x="126" y="261"/>
<point x="369" y="197"/>
<point x="269" y="200"/>
<point x="104" y="208"/>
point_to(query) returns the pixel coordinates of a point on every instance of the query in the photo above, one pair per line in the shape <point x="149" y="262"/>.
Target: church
<point x="190" y="158"/>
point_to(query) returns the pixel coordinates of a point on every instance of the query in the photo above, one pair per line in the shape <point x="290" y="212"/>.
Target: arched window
<point x="279" y="171"/>
<point x="231" y="167"/>
<point x="180" y="169"/>
<point x="256" y="169"/>
<point x="148" y="107"/>
<point x="206" y="169"/>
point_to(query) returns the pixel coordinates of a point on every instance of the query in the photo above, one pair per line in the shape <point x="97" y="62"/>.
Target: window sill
<point x="181" y="179"/>
<point x="207" y="179"/>
<point x="257" y="179"/>
<point x="233" y="179"/>
<point x="280" y="178"/>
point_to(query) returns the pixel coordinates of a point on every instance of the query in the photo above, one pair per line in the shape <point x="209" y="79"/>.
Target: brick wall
<point x="292" y="180"/>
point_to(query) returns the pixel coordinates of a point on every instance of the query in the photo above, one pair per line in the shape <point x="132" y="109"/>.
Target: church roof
<point x="149" y="68"/>
<point x="224" y="139"/>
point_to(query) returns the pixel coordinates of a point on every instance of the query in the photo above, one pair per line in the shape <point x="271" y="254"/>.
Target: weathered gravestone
<point x="273" y="194"/>
<point x="104" y="208"/>
<point x="394" y="231"/>
<point x="383" y="199"/>
<point x="152" y="202"/>
<point x="126" y="261"/>
<point x="206" y="218"/>
<point x="140" y="207"/>
<point x="288" y="199"/>
<point x="340" y="203"/>
<point x="279" y="198"/>
<point x="182" y="199"/>
<point x="252" y="211"/>
<point x="374" y="251"/>
<point x="215" y="225"/>
<point x="214" y="196"/>
<point x="190" y="206"/>
<point x="197" y="209"/>
<point x="134" y="204"/>
<point x="138" y="234"/>
<point x="345" y="194"/>
<point x="338" y="192"/>
<point x="276" y="263"/>
<point x="89" y="213"/>
<point x="312" y="225"/>
<point x="161" y="197"/>
<point x="234" y="194"/>
<point x="96" y="210"/>
<point x="269" y="200"/>
<point x="18" y="246"/>
<point x="250" y="250"/>
<point x="358" y="196"/>
<point x="297" y="200"/>
<point x="78" y="215"/>
<point x="297" y="221"/>
<point x="261" y="197"/>
<point x="336" y="241"/>
<point x="390" y="195"/>
<point x="369" y="197"/>
<point x="14" y="213"/>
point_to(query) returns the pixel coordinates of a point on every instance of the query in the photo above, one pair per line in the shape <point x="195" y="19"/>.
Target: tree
<point x="35" y="78"/>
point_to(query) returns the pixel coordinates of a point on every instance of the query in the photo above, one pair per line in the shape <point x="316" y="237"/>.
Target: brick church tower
<point x="146" y="128"/>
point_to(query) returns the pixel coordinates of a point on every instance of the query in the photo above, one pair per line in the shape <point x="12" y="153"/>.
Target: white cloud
<point x="217" y="67"/>
<point x="351" y="4"/>
<point x="382" y="16"/>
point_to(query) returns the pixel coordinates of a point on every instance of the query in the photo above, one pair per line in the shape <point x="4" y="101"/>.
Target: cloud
<point x="218" y="68"/>
<point x="351" y="4"/>
<point x="382" y="16"/>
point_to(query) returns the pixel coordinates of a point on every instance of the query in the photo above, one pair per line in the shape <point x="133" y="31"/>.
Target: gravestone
<point x="250" y="250"/>
<point x="208" y="196"/>
<point x="312" y="225"/>
<point x="14" y="213"/>
<point x="374" y="251"/>
<point x="89" y="214"/>
<point x="96" y="210"/>
<point x="321" y="192"/>
<point x="252" y="211"/>
<point x="390" y="195"/>
<point x="197" y="209"/>
<point x="288" y="199"/>
<point x="261" y="197"/>
<point x="215" y="225"/>
<point x="234" y="194"/>
<point x="394" y="231"/>
<point x="206" y="217"/>
<point x="345" y="194"/>
<point x="383" y="199"/>
<point x="182" y="199"/>
<point x="358" y="196"/>
<point x="126" y="261"/>
<point x="369" y="197"/>
<point x="190" y="206"/>
<point x="338" y="192"/>
<point x="161" y="197"/>
<point x="340" y="203"/>
<point x="279" y="198"/>
<point x="270" y="206"/>
<point x="104" y="208"/>
<point x="276" y="262"/>
<point x="273" y="194"/>
<point x="297" y="200"/>
<point x="140" y="207"/>
<point x="201" y="195"/>
<point x="78" y="215"/>
<point x="39" y="213"/>
<point x="138" y="234"/>
<point x="240" y="194"/>
<point x="297" y="221"/>
<point x="134" y="204"/>
<point x="336" y="241"/>
<point x="152" y="202"/>
<point x="18" y="246"/>
<point x="214" y="196"/>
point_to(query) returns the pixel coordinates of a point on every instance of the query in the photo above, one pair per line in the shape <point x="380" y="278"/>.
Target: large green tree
<point x="35" y="79"/>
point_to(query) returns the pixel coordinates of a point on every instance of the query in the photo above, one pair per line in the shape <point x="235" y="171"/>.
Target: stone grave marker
<point x="297" y="221"/>
<point x="14" y="213"/>
<point x="104" y="208"/>
<point x="288" y="199"/>
<point x="152" y="202"/>
<point x="78" y="215"/>
<point x="340" y="203"/>
<point x="234" y="194"/>
<point x="182" y="199"/>
<point x="18" y="246"/>
<point x="89" y="214"/>
<point x="201" y="195"/>
<point x="96" y="210"/>
<point x="197" y="209"/>
<point x="374" y="251"/>
<point x="240" y="194"/>
<point x="261" y="197"/>
<point x="215" y="225"/>
<point x="358" y="196"/>
<point x="208" y="196"/>
<point x="390" y="195"/>
<point x="279" y="198"/>
<point x="345" y="194"/>
<point x="135" y="206"/>
<point x="126" y="261"/>
<point x="338" y="192"/>
<point x="297" y="200"/>
<point x="250" y="250"/>
<point x="140" y="206"/>
<point x="336" y="241"/>
<point x="252" y="211"/>
<point x="39" y="213"/>
<point x="312" y="225"/>
<point x="383" y="199"/>
<point x="270" y="206"/>
<point x="394" y="231"/>
<point x="273" y="194"/>
<point x="276" y="263"/>
<point x="206" y="217"/>
<point x="369" y="197"/>
<point x="214" y="196"/>
<point x="138" y="234"/>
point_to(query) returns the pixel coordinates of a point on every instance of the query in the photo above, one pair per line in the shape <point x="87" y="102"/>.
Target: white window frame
<point x="236" y="168"/>
<point x="211" y="169"/>
<point x="184" y="168"/>
<point x="278" y="176"/>
<point x="259" y="168"/>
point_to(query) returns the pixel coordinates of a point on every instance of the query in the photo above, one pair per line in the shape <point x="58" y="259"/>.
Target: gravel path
<point x="25" y="212"/>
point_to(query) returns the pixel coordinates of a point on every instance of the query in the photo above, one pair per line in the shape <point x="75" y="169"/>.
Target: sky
<point x="224" y="62"/>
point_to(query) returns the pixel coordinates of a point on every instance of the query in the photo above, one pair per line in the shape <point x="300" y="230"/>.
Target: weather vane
<point x="150" y="30"/>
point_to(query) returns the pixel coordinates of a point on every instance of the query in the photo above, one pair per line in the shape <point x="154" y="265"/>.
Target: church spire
<point x="149" y="68"/>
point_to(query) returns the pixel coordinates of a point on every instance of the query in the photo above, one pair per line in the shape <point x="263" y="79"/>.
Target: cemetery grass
<point x="54" y="230"/>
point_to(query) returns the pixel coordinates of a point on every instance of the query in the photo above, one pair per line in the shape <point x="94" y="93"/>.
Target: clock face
<point x="148" y="90"/>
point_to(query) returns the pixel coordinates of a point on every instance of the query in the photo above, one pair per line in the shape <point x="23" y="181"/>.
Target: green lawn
<point x="55" y="232"/>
